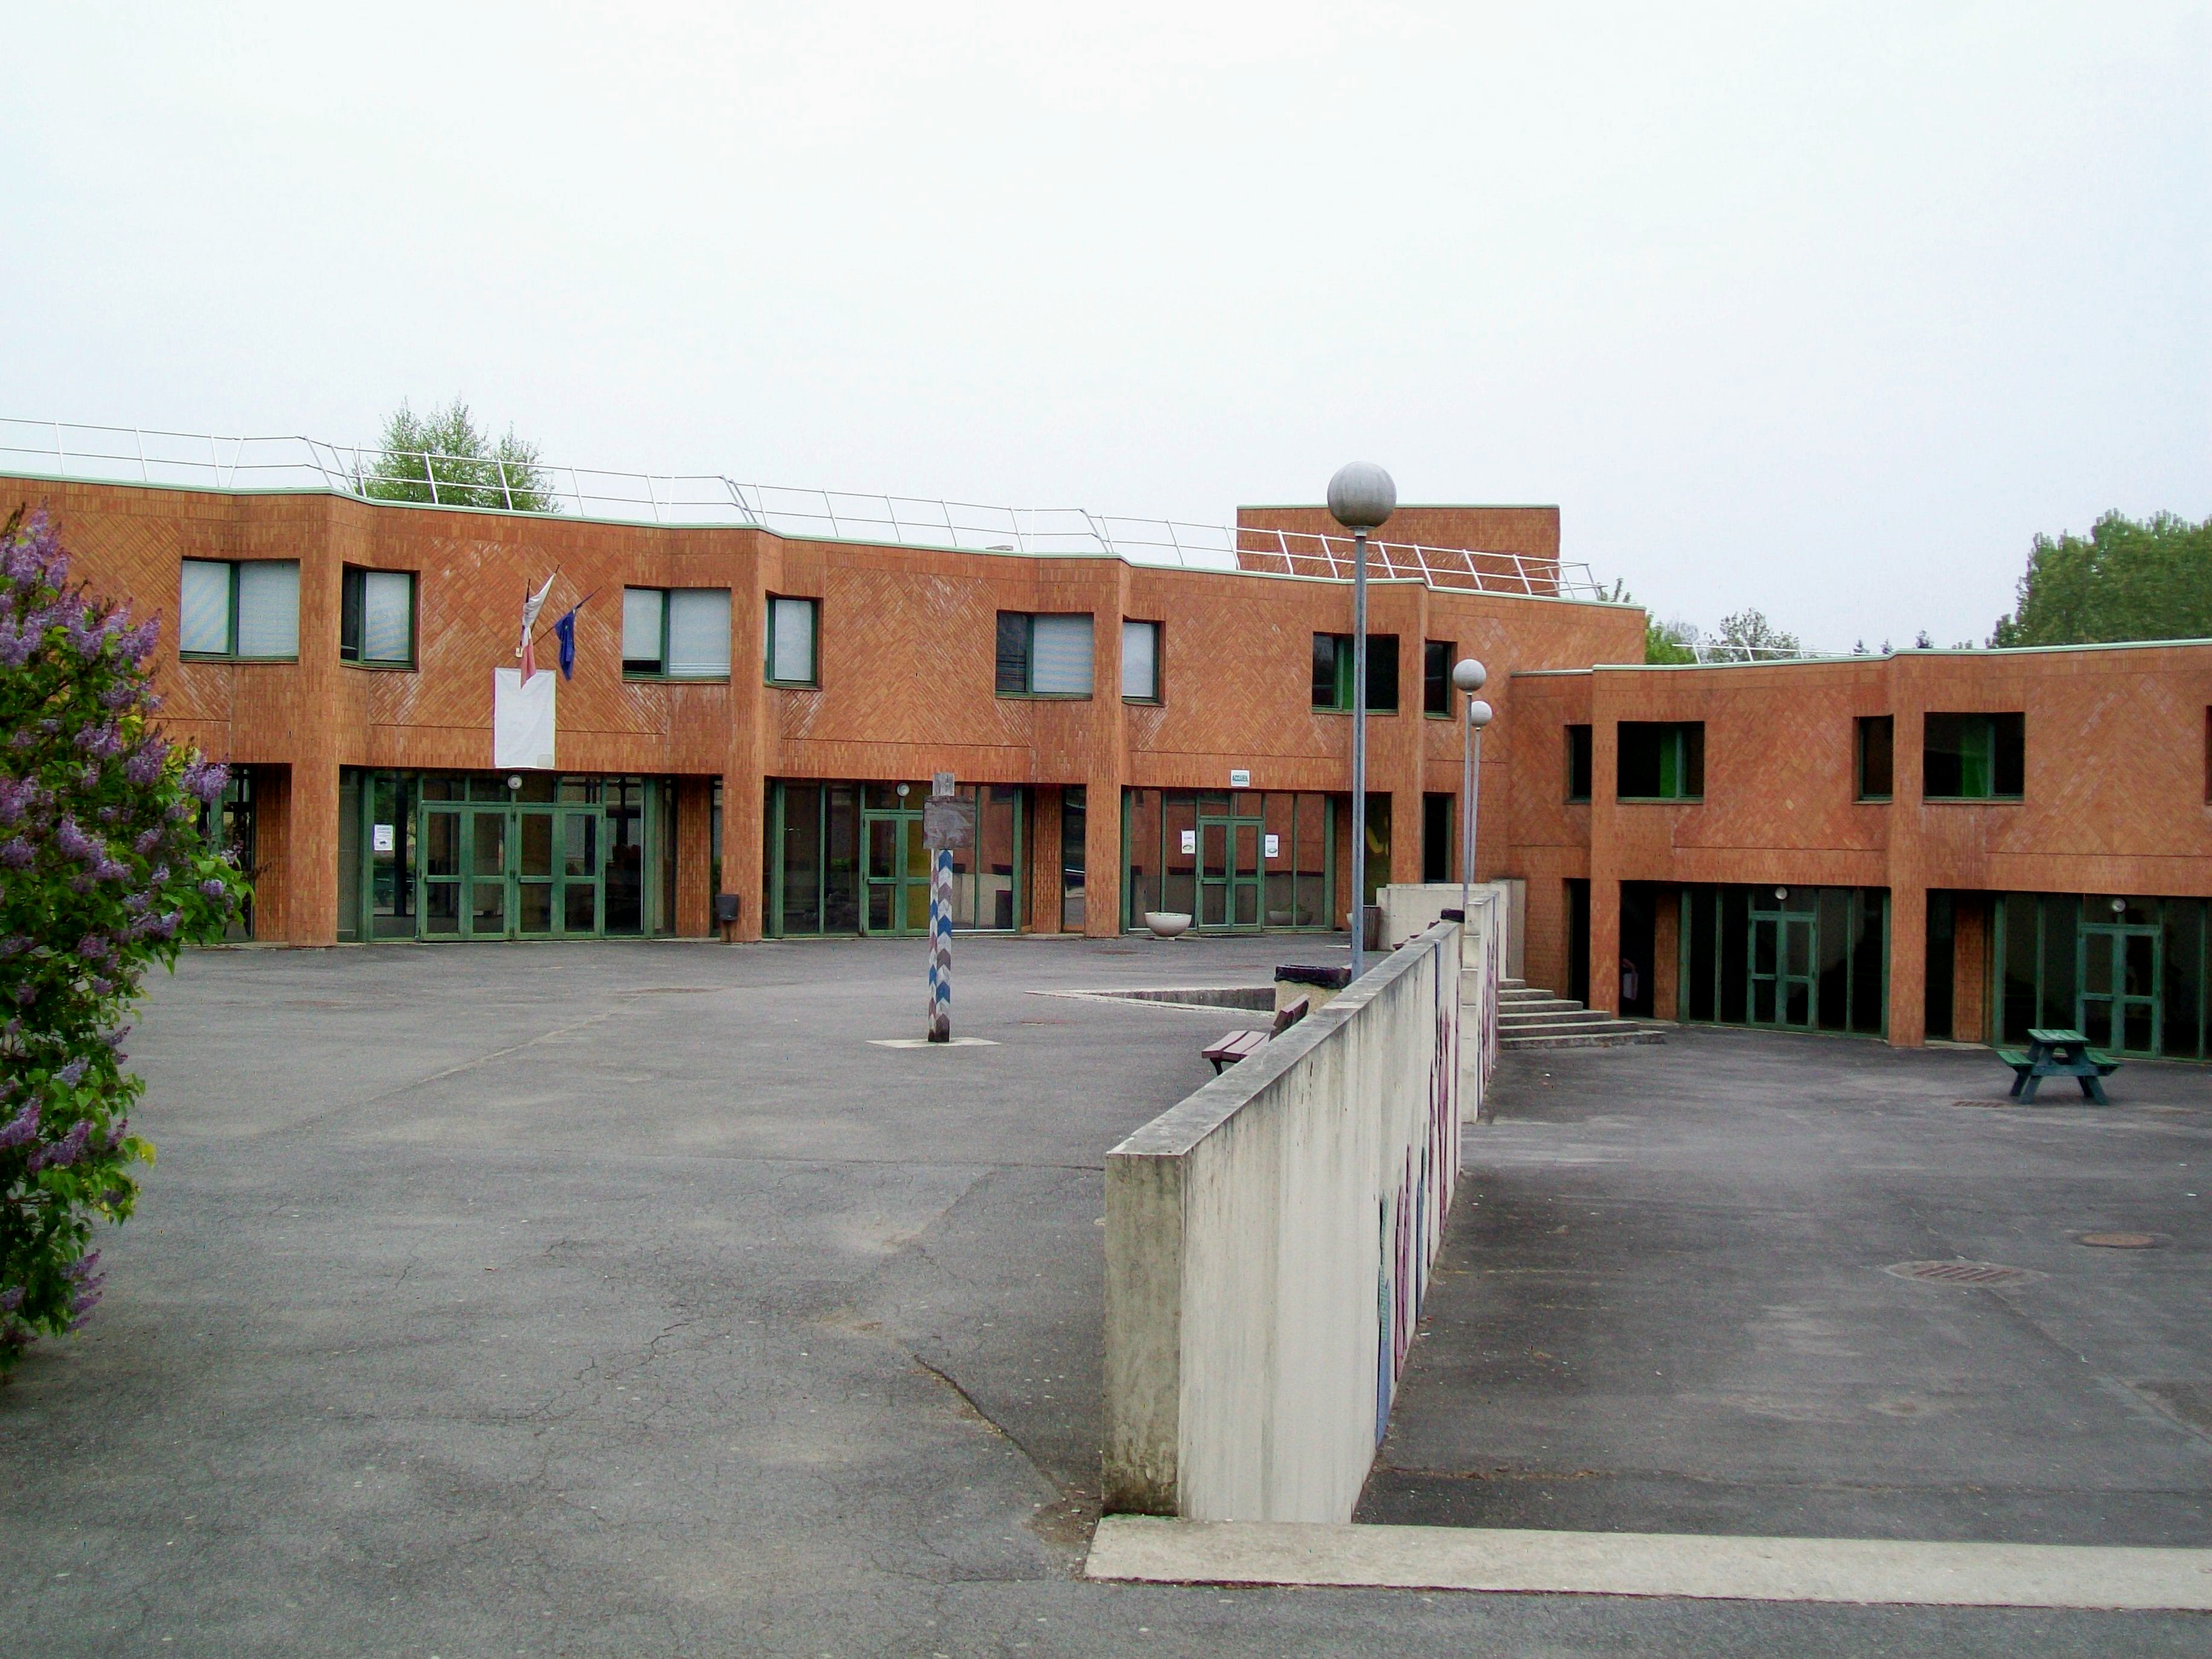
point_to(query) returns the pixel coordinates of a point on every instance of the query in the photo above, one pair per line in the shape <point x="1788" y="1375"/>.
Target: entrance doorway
<point x="519" y="871"/>
<point x="897" y="871"/>
<point x="2117" y="969"/>
<point x="1784" y="949"/>
<point x="1230" y="828"/>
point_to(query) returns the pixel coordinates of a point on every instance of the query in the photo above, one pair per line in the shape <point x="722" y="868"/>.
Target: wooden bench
<point x="1242" y="1045"/>
<point x="2058" y="1053"/>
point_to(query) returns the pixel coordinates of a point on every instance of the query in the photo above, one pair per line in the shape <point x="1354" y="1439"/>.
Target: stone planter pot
<point x="1167" y="924"/>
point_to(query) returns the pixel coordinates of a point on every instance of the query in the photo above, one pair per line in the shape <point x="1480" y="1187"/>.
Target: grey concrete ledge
<point x="1864" y="1571"/>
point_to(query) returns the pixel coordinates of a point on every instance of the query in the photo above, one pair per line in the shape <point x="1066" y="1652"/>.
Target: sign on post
<point x="948" y="823"/>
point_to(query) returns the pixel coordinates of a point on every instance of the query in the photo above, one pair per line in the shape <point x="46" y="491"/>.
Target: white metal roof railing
<point x="127" y="454"/>
<point x="1717" y="652"/>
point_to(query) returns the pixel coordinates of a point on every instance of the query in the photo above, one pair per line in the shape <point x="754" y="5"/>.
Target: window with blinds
<point x="239" y="609"/>
<point x="376" y="624"/>
<point x="792" y="627"/>
<point x="1140" y="662"/>
<point x="676" y="633"/>
<point x="1044" y="656"/>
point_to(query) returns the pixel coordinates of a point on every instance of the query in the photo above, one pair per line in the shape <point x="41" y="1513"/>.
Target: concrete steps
<point x="1531" y="1018"/>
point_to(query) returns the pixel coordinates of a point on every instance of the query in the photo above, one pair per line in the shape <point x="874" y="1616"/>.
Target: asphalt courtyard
<point x="630" y="1299"/>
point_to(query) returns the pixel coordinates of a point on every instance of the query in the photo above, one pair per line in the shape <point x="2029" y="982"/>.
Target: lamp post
<point x="1361" y="498"/>
<point x="1470" y="676"/>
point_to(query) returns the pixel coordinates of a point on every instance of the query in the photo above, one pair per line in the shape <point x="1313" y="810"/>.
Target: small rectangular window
<point x="376" y="625"/>
<point x="1877" y="746"/>
<point x="1578" y="762"/>
<point x="1661" y="760"/>
<point x="644" y="650"/>
<point x="793" y="626"/>
<point x="1140" y="662"/>
<point x="1044" y="656"/>
<point x="1333" y="659"/>
<point x="1436" y="676"/>
<point x="246" y="609"/>
<point x="1972" y="756"/>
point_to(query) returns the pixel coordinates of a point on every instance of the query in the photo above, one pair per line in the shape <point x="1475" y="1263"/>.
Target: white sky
<point x="1822" y="308"/>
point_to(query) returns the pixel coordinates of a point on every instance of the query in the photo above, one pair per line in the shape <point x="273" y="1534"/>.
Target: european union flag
<point x="565" y="631"/>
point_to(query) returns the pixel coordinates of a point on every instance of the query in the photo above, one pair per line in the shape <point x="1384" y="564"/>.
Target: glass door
<point x="438" y="879"/>
<point x="1782" y="954"/>
<point x="578" y="840"/>
<point x="519" y="872"/>
<point x="1230" y="832"/>
<point x="897" y="875"/>
<point x="2117" y="969"/>
<point x="486" y="914"/>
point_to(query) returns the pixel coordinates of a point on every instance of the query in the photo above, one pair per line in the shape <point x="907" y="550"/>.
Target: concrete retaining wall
<point x="1408" y="907"/>
<point x="1267" y="1242"/>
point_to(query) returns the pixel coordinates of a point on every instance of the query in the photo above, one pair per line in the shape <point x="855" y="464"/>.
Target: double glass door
<point x="1229" y="865"/>
<point x="2117" y="969"/>
<point x="520" y="871"/>
<point x="896" y="872"/>
<point x="1782" y="977"/>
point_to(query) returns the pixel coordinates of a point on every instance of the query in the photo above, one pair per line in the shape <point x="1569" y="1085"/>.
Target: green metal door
<point x="519" y="872"/>
<point x="898" y="873"/>
<point x="2117" y="967"/>
<point x="1229" y="865"/>
<point x="1784" y="953"/>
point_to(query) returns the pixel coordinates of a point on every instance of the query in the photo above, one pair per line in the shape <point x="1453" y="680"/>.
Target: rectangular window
<point x="793" y="631"/>
<point x="1661" y="760"/>
<point x="376" y="624"/>
<point x="1877" y="747"/>
<point x="243" y="609"/>
<point x="1332" y="672"/>
<point x="676" y="633"/>
<point x="1435" y="677"/>
<point x="1972" y="756"/>
<point x="1044" y="656"/>
<point x="1140" y="662"/>
<point x="1439" y="850"/>
<point x="1578" y="762"/>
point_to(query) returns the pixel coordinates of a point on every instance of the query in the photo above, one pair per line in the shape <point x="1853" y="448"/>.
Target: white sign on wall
<point x="1240" y="778"/>
<point x="1190" y="841"/>
<point x="382" y="840"/>
<point x="1274" y="847"/>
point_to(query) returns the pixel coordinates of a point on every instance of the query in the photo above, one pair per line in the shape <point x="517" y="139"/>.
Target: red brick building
<point x="1937" y="843"/>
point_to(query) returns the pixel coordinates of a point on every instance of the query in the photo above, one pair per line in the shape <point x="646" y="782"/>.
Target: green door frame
<point x="507" y="870"/>
<point x="1231" y="898"/>
<point x="1791" y="942"/>
<point x="2108" y="1007"/>
<point x="905" y="881"/>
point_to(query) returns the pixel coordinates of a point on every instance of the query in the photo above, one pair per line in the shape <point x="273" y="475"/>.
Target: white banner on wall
<point x="522" y="721"/>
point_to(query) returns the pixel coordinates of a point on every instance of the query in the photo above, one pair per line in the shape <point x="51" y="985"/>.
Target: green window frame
<point x="366" y="636"/>
<point x="787" y="617"/>
<point x="676" y="634"/>
<point x="1436" y="678"/>
<point x="1140" y="661"/>
<point x="1875" y="745"/>
<point x="238" y="610"/>
<point x="1660" y="761"/>
<point x="1580" y="765"/>
<point x="1975" y="756"/>
<point x="1045" y="654"/>
<point x="1331" y="673"/>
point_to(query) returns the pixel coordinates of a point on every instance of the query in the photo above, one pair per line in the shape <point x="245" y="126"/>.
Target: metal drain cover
<point x="1962" y="1272"/>
<point x="2117" y="1241"/>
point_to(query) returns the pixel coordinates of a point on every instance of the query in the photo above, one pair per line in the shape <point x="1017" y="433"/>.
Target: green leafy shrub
<point x="103" y="870"/>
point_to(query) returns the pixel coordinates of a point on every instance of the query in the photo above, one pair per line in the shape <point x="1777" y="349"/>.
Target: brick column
<point x="1908" y="887"/>
<point x="1969" y="965"/>
<point x="1666" y="956"/>
<point x="695" y="849"/>
<point x="1044" y="861"/>
<point x="1102" y="827"/>
<point x="312" y="831"/>
<point x="746" y="763"/>
<point x="1604" y="855"/>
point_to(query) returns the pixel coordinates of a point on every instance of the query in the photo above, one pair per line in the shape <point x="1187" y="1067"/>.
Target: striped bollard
<point x="941" y="949"/>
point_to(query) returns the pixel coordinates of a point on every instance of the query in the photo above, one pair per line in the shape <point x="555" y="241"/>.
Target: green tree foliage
<point x="2125" y="580"/>
<point x="103" y="870"/>
<point x="1747" y="636"/>
<point x="1670" y="642"/>
<point x="441" y="457"/>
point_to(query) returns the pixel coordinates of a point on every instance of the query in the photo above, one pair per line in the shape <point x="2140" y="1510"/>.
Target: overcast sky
<point x="1822" y="308"/>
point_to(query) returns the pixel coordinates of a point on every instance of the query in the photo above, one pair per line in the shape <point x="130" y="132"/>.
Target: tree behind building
<point x="442" y="458"/>
<point x="2124" y="580"/>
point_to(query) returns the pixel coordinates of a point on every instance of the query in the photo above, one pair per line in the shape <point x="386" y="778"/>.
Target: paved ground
<point x="1664" y="1307"/>
<point x="622" y="1299"/>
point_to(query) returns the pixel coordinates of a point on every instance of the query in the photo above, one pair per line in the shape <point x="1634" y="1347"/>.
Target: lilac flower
<point x="14" y="945"/>
<point x="158" y="876"/>
<point x="93" y="948"/>
<point x="72" y="842"/>
<point x="64" y="1151"/>
<point x="147" y="841"/>
<point x="26" y="995"/>
<point x="25" y="739"/>
<point x="102" y="987"/>
<point x="203" y="779"/>
<point x="213" y="889"/>
<point x="71" y="1074"/>
<point x="143" y="767"/>
<point x="111" y="869"/>
<point x="16" y="854"/>
<point x="11" y="1299"/>
<point x="23" y="1127"/>
<point x="17" y="795"/>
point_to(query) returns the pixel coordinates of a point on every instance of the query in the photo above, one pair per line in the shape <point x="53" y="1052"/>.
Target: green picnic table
<point x="2058" y="1053"/>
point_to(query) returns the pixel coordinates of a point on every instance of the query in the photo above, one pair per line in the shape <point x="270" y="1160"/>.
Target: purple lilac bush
<point x="103" y="870"/>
